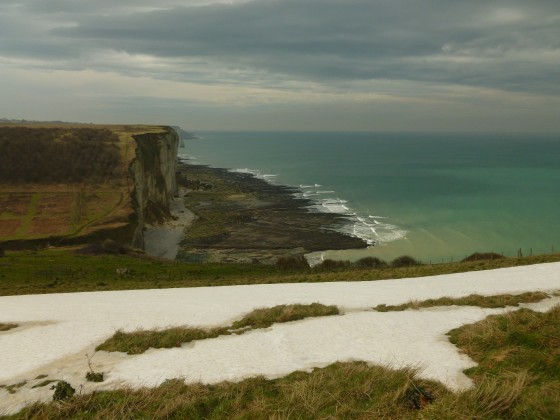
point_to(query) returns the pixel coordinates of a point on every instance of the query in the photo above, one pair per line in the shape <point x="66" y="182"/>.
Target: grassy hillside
<point x="65" y="270"/>
<point x="64" y="180"/>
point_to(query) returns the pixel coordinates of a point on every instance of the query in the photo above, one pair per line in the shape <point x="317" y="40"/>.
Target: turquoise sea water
<point x="432" y="196"/>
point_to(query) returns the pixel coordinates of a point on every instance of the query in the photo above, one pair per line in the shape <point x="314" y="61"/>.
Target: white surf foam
<point x="364" y="226"/>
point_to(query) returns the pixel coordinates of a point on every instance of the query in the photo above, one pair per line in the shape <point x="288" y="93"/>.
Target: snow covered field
<point x="57" y="331"/>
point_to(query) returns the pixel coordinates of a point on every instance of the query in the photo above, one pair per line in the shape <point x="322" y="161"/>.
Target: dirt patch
<point x="15" y="204"/>
<point x="59" y="203"/>
<point x="45" y="226"/>
<point x="9" y="227"/>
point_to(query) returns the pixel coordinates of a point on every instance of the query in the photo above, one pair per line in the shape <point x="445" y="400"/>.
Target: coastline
<point x="242" y="218"/>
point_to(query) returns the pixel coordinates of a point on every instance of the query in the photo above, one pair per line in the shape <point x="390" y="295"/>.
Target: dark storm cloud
<point x="510" y="45"/>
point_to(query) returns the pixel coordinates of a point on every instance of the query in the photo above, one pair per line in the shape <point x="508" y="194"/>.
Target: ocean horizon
<point x="434" y="196"/>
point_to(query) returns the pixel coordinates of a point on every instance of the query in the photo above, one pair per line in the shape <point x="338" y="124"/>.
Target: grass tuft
<point x="13" y="388"/>
<point x="137" y="342"/>
<point x="518" y="355"/>
<point x="265" y="317"/>
<point x="495" y="301"/>
<point x="524" y="338"/>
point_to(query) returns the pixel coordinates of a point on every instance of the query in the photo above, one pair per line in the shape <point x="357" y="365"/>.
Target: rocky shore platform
<point x="241" y="218"/>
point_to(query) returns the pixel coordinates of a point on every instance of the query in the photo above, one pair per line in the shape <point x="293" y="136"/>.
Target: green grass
<point x="137" y="342"/>
<point x="349" y="390"/>
<point x="495" y="301"/>
<point x="28" y="218"/>
<point x="522" y="346"/>
<point x="56" y="271"/>
<point x="6" y="327"/>
<point x="518" y="377"/>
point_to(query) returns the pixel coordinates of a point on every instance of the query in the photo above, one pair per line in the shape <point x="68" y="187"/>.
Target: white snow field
<point x="57" y="331"/>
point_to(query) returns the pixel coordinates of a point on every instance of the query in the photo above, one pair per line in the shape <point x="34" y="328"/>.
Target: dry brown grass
<point x="6" y="327"/>
<point x="9" y="228"/>
<point x="137" y="342"/>
<point x="523" y="384"/>
<point x="495" y="301"/>
<point x="341" y="390"/>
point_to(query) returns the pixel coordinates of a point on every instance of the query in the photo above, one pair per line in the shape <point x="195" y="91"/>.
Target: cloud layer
<point x="298" y="50"/>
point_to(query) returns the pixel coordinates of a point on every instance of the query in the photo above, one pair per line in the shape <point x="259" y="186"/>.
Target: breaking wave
<point x="368" y="227"/>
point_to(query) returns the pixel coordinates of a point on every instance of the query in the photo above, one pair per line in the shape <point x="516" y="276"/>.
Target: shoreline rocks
<point x="245" y="219"/>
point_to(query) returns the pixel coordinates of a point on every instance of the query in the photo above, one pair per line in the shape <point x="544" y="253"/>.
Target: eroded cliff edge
<point x="153" y="172"/>
<point x="71" y="184"/>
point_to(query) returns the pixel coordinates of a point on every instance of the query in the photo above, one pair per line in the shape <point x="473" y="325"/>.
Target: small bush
<point x="92" y="376"/>
<point x="292" y="263"/>
<point x="405" y="261"/>
<point x="63" y="391"/>
<point x="370" y="262"/>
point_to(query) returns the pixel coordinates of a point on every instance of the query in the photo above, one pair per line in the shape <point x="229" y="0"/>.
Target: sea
<point x="436" y="197"/>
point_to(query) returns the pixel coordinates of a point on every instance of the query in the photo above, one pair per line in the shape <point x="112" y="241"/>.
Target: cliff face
<point x="153" y="171"/>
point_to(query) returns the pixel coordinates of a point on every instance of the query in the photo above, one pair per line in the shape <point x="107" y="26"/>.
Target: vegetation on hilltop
<point x="51" y="155"/>
<point x="63" y="184"/>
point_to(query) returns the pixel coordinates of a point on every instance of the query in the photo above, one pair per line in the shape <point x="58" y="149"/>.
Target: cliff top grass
<point x="517" y="377"/>
<point x="64" y="180"/>
<point x="64" y="270"/>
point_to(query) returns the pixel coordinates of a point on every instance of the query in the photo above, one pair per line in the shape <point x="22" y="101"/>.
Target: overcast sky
<point x="400" y="65"/>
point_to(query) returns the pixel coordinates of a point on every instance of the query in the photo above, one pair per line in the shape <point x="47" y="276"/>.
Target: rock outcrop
<point x="153" y="171"/>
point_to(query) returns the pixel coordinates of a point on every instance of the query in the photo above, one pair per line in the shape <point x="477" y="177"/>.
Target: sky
<point x="325" y="65"/>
